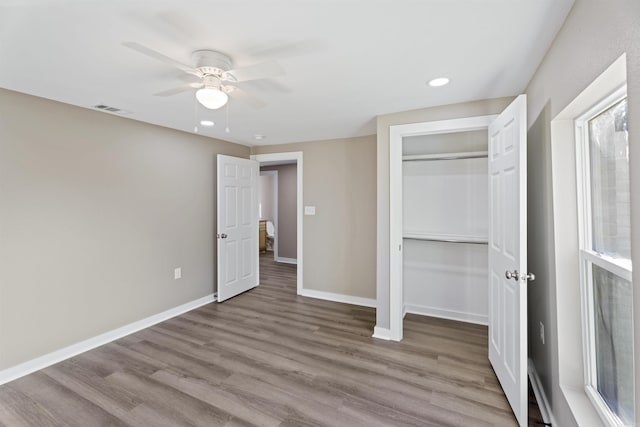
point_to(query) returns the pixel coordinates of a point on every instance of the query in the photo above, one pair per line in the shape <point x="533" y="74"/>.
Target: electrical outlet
<point x="177" y="273"/>
<point x="542" y="332"/>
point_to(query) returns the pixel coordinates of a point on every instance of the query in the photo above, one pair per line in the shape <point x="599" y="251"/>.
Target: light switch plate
<point x="309" y="210"/>
<point x="177" y="273"/>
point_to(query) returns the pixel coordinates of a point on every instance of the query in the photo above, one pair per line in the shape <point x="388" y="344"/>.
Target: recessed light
<point x="206" y="123"/>
<point x="440" y="81"/>
<point x="259" y="137"/>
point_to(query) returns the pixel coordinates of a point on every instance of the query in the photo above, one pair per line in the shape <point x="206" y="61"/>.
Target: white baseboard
<point x="347" y="299"/>
<point x="381" y="333"/>
<point x="541" y="397"/>
<point x="54" y="357"/>
<point x="286" y="260"/>
<point x="423" y="310"/>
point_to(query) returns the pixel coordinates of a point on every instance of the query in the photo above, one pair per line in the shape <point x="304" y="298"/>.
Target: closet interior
<point x="445" y="225"/>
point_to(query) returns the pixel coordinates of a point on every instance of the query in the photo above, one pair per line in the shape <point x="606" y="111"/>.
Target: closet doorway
<point x="458" y="198"/>
<point x="440" y="225"/>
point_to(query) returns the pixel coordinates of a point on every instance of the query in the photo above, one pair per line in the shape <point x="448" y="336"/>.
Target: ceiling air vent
<point x="110" y="109"/>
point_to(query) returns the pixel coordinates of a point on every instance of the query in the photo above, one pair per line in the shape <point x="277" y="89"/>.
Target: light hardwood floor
<point x="270" y="358"/>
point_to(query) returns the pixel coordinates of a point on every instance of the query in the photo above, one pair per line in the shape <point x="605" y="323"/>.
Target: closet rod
<point x="447" y="240"/>
<point x="446" y="156"/>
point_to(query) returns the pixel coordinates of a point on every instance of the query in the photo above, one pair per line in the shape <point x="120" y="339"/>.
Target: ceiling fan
<point x="216" y="75"/>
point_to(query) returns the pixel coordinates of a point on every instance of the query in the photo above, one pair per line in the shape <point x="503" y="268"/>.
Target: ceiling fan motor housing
<point x="210" y="62"/>
<point x="212" y="82"/>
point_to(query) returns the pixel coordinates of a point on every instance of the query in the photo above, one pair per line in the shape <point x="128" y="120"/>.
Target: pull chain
<point x="195" y="114"/>
<point x="227" y="129"/>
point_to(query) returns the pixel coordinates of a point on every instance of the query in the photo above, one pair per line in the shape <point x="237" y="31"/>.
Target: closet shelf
<point x="449" y="238"/>
<point x="446" y="156"/>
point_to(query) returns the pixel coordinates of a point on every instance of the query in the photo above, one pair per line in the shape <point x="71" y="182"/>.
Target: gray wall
<point x="339" y="179"/>
<point x="287" y="210"/>
<point x="594" y="35"/>
<point x="266" y="197"/>
<point x="445" y="112"/>
<point x="95" y="213"/>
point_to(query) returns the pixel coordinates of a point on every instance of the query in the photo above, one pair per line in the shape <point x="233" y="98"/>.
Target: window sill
<point x="581" y="407"/>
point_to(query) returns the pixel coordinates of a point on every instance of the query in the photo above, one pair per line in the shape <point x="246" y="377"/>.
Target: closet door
<point x="508" y="254"/>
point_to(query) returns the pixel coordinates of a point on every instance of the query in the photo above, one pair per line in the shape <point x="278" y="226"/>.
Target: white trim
<point x="423" y="310"/>
<point x="346" y="299"/>
<point x="396" y="231"/>
<point x="603" y="104"/>
<point x="49" y="359"/>
<point x="572" y="364"/>
<point x="274" y="174"/>
<point x="381" y="333"/>
<point x="603" y="410"/>
<point x="297" y="156"/>
<point x="621" y="268"/>
<point x="396" y="134"/>
<point x="587" y="256"/>
<point x="286" y="260"/>
<point x="541" y="397"/>
<point x="583" y="198"/>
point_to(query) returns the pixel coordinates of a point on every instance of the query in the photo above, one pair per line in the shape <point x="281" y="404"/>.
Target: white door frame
<point x="297" y="156"/>
<point x="396" y="134"/>
<point x="274" y="174"/>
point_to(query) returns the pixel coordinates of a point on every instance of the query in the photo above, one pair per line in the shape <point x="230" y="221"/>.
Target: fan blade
<point x="176" y="90"/>
<point x="185" y="78"/>
<point x="262" y="70"/>
<point x="243" y="96"/>
<point x="160" y="57"/>
<point x="266" y="85"/>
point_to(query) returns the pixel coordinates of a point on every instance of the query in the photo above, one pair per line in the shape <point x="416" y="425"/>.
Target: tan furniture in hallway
<point x="262" y="239"/>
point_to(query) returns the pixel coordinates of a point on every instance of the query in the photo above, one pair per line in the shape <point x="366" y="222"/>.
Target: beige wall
<point x="339" y="179"/>
<point x="469" y="109"/>
<point x="287" y="210"/>
<point x="95" y="213"/>
<point x="594" y="35"/>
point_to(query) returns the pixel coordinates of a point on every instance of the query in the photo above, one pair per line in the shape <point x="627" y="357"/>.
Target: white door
<point x="508" y="253"/>
<point x="237" y="226"/>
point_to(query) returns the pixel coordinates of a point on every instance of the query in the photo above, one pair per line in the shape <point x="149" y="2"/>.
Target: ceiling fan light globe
<point x="211" y="98"/>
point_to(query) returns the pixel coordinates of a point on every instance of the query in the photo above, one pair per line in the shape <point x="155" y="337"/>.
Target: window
<point x="605" y="258"/>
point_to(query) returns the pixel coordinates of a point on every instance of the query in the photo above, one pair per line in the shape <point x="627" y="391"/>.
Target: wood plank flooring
<point x="270" y="358"/>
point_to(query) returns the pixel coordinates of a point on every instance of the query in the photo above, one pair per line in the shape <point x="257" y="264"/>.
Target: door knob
<point x="530" y="277"/>
<point x="512" y="275"/>
<point x="222" y="236"/>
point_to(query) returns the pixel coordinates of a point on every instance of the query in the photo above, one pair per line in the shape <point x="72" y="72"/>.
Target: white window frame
<point x="588" y="257"/>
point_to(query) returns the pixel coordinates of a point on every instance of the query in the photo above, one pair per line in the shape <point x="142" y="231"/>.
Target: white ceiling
<point x="346" y="61"/>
